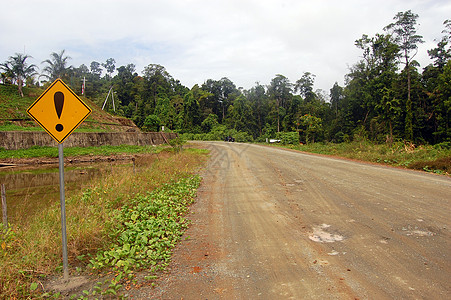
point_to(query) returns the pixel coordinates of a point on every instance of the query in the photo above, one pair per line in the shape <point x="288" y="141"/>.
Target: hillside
<point x="14" y="117"/>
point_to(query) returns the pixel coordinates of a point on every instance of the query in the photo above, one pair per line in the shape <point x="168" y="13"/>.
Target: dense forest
<point x="386" y="97"/>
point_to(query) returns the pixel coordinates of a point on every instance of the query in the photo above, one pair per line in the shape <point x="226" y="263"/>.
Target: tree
<point x="305" y="86"/>
<point x="191" y="112"/>
<point x="280" y="91"/>
<point x="259" y="105"/>
<point x="124" y="83"/>
<point x="240" y="114"/>
<point x="109" y="66"/>
<point x="370" y="87"/>
<point x="434" y="85"/>
<point x="443" y="105"/>
<point x="312" y="127"/>
<point x="210" y="122"/>
<point x="336" y="96"/>
<point x="96" y="69"/>
<point x="162" y="111"/>
<point x="152" y="123"/>
<point x="404" y="34"/>
<point x="18" y="69"/>
<point x="222" y="94"/>
<point x="158" y="82"/>
<point x="442" y="53"/>
<point x="56" y="66"/>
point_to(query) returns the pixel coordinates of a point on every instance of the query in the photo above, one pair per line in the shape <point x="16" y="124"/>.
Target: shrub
<point x="152" y="123"/>
<point x="286" y="138"/>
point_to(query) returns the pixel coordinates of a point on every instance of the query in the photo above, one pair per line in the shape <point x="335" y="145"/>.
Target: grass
<point x="12" y="105"/>
<point x="435" y="159"/>
<point x="101" y="218"/>
<point x="7" y="126"/>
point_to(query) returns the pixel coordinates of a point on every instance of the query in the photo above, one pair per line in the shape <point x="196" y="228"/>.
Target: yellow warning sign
<point x="59" y="110"/>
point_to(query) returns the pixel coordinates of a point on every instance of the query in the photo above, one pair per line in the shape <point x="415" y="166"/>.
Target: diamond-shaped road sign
<point x="59" y="110"/>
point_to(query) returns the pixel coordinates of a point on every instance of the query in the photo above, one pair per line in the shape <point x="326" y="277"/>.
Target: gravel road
<point x="277" y="224"/>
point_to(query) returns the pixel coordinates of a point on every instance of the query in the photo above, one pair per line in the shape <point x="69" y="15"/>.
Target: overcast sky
<point x="247" y="41"/>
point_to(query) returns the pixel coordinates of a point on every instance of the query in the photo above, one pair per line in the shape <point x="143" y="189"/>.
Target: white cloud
<point x="246" y="40"/>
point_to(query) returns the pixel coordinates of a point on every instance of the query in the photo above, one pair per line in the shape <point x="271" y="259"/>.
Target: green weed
<point x="102" y="222"/>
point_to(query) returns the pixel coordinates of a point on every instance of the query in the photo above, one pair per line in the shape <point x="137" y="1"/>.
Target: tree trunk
<point x="278" y="117"/>
<point x="390" y="139"/>
<point x="19" y="83"/>
<point x="409" y="116"/>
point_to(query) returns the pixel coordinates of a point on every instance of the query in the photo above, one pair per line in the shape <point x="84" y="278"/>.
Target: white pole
<point x="112" y="97"/>
<point x="106" y="98"/>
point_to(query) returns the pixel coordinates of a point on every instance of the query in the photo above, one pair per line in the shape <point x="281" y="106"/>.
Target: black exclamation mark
<point x="58" y="98"/>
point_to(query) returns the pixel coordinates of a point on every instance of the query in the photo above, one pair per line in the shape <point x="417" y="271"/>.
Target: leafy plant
<point x="177" y="143"/>
<point x="287" y="138"/>
<point x="147" y="230"/>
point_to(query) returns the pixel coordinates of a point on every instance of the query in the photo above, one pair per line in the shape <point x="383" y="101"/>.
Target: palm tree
<point x="56" y="66"/>
<point x="17" y="67"/>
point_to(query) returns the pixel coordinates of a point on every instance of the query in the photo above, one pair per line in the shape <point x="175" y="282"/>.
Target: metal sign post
<point x="63" y="210"/>
<point x="60" y="111"/>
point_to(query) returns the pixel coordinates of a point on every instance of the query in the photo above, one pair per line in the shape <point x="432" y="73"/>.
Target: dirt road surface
<point x="277" y="224"/>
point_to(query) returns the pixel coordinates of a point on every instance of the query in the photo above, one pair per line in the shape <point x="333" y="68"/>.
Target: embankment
<point x="12" y="140"/>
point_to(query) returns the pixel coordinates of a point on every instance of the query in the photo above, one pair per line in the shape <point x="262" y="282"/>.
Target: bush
<point x="177" y="143"/>
<point x="286" y="138"/>
<point x="218" y="133"/>
<point x="152" y="123"/>
<point x="444" y="145"/>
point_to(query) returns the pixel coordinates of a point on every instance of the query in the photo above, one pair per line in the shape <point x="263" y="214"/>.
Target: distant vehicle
<point x="229" y="139"/>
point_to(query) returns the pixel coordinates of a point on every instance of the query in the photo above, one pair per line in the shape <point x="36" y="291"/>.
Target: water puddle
<point x="416" y="231"/>
<point x="321" y="235"/>
<point x="29" y="191"/>
<point x="420" y="233"/>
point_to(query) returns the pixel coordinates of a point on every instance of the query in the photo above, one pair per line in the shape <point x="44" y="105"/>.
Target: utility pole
<point x="222" y="110"/>
<point x="112" y="97"/>
<point x="83" y="86"/>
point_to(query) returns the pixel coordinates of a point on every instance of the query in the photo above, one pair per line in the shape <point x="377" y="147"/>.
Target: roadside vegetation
<point x="117" y="226"/>
<point x="435" y="159"/>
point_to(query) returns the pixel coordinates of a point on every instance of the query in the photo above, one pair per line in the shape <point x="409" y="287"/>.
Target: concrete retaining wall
<point x="22" y="140"/>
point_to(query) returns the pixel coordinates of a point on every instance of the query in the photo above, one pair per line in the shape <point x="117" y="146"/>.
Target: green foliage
<point x="146" y="231"/>
<point x="288" y="138"/>
<point x="177" y="143"/>
<point x="152" y="123"/>
<point x="56" y="66"/>
<point x="219" y="133"/>
<point x="312" y="127"/>
<point x="12" y="105"/>
<point x="7" y="126"/>
<point x="19" y="70"/>
<point x="210" y="122"/>
<point x="7" y="237"/>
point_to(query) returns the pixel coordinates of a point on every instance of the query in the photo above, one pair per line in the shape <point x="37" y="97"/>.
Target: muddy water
<point x="29" y="191"/>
